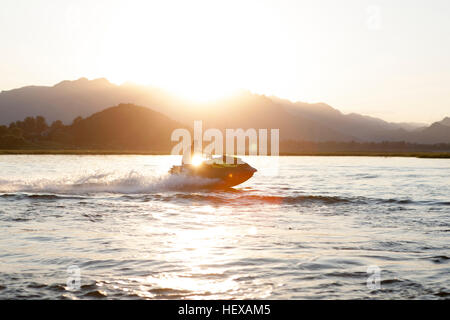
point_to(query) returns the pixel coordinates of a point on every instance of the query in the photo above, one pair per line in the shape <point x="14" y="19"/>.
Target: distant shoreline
<point x="430" y="155"/>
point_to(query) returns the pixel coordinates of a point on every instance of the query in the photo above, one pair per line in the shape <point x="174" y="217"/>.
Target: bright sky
<point x="389" y="59"/>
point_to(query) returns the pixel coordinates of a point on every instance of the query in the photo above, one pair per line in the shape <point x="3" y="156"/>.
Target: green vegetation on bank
<point x="431" y="155"/>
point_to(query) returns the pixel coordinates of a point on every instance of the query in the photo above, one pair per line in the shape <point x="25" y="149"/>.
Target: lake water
<point x="301" y="228"/>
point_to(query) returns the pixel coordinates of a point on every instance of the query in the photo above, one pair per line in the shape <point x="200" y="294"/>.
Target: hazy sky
<point x="389" y="59"/>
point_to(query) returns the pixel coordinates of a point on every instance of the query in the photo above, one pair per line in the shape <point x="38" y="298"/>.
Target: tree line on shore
<point x="36" y="133"/>
<point x="32" y="131"/>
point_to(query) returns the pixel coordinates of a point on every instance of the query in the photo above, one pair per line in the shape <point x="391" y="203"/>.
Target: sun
<point x="201" y="92"/>
<point x="199" y="85"/>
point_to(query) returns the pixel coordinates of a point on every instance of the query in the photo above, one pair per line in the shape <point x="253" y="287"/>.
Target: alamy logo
<point x="74" y="278"/>
<point x="373" y="21"/>
<point x="237" y="141"/>
<point x="373" y="281"/>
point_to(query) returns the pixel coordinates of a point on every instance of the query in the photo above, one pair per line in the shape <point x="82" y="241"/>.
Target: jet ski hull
<point x="223" y="176"/>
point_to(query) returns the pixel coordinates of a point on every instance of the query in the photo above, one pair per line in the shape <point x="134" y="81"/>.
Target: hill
<point x="125" y="126"/>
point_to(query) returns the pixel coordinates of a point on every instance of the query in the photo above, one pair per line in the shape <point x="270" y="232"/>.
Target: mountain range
<point x="296" y="120"/>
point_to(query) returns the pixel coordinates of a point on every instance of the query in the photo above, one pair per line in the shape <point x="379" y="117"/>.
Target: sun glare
<point x="197" y="160"/>
<point x="209" y="58"/>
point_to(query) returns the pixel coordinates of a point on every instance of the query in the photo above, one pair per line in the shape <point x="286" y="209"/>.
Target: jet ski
<point x="226" y="171"/>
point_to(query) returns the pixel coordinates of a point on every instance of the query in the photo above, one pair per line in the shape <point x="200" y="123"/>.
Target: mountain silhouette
<point x="296" y="120"/>
<point x="445" y="122"/>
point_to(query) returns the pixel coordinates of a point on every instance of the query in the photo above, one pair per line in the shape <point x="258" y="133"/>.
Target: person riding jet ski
<point x="226" y="171"/>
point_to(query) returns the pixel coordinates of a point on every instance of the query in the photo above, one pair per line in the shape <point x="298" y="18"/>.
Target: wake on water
<point x="104" y="182"/>
<point x="186" y="188"/>
<point x="136" y="183"/>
